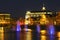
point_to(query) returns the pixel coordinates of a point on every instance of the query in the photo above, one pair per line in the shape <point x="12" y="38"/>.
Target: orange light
<point x="58" y="34"/>
<point x="22" y="23"/>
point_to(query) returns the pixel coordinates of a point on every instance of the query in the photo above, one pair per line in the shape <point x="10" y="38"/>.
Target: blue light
<point x="51" y="37"/>
<point x="18" y="35"/>
<point x="38" y="28"/>
<point x="18" y="26"/>
<point x="51" y="29"/>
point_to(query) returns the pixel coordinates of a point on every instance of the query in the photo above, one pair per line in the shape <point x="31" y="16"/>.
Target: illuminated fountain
<point x="18" y="26"/>
<point x="51" y="30"/>
<point x="38" y="28"/>
<point x="18" y="29"/>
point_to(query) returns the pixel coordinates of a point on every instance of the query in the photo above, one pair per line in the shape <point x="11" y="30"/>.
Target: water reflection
<point x="58" y="34"/>
<point x="38" y="36"/>
<point x="58" y="39"/>
<point x="28" y="35"/>
<point x="51" y="30"/>
<point x="43" y="37"/>
<point x="1" y="33"/>
<point x="38" y="28"/>
<point x="18" y="35"/>
<point x="51" y="37"/>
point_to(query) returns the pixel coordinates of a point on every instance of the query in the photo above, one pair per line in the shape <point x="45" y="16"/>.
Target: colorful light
<point x="38" y="28"/>
<point x="51" y="30"/>
<point x="18" y="26"/>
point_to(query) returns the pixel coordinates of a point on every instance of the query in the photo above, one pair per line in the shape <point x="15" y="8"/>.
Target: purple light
<point x="38" y="28"/>
<point x="18" y="26"/>
<point x="18" y="35"/>
<point x="51" y="29"/>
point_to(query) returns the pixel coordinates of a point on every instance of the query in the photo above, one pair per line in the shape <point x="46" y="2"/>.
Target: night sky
<point x="18" y="8"/>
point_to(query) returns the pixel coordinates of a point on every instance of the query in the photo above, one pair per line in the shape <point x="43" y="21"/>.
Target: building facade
<point x="41" y="17"/>
<point x="5" y="21"/>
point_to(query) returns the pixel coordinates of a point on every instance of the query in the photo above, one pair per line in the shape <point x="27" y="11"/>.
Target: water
<point x="51" y="30"/>
<point x="22" y="35"/>
<point x="27" y="35"/>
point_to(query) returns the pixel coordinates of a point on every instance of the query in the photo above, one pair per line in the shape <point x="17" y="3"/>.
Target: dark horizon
<point x="18" y="8"/>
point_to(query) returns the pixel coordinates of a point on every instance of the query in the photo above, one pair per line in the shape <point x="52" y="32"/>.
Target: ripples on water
<point x="26" y="36"/>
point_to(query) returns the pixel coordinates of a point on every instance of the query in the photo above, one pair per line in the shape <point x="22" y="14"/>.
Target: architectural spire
<point x="43" y="8"/>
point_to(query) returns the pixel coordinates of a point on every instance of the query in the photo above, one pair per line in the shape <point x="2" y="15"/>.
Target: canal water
<point x="26" y="35"/>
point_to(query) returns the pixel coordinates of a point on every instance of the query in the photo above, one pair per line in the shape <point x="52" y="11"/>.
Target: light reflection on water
<point x="28" y="36"/>
<point x="1" y="33"/>
<point x="51" y="37"/>
<point x="22" y="35"/>
<point x="58" y="38"/>
<point x="43" y="37"/>
<point x="18" y="35"/>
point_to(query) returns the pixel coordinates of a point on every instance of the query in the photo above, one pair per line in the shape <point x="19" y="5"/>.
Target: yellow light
<point x="58" y="34"/>
<point x="27" y="22"/>
<point x="2" y="21"/>
<point x="29" y="36"/>
<point x="43" y="31"/>
<point x="1" y="33"/>
<point x="27" y="16"/>
<point x="43" y="8"/>
<point x="28" y="11"/>
<point x="5" y="14"/>
<point x="29" y="30"/>
<point x="43" y="37"/>
<point x="43" y="16"/>
<point x="54" y="22"/>
<point x="44" y="20"/>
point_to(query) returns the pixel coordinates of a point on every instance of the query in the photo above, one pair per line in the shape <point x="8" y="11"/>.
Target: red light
<point x="22" y="23"/>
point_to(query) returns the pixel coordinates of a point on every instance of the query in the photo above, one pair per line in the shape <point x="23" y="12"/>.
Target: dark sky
<point x="18" y="8"/>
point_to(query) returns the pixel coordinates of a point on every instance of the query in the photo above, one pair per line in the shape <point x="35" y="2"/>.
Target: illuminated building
<point x="58" y="18"/>
<point x="5" y="21"/>
<point x="41" y="17"/>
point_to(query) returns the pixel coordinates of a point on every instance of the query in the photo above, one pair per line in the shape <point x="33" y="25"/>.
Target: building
<point x="58" y="18"/>
<point x="4" y="21"/>
<point x="42" y="17"/>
